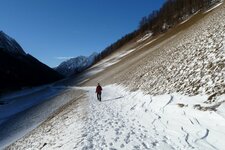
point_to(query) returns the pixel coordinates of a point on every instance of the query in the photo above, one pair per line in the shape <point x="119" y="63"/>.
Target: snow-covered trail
<point x="128" y="120"/>
<point x="136" y="121"/>
<point x="107" y="127"/>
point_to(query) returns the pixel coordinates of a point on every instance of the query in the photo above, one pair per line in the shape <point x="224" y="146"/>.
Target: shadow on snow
<point x="112" y="99"/>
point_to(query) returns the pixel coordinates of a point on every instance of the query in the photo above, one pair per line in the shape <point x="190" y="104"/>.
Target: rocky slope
<point x="191" y="62"/>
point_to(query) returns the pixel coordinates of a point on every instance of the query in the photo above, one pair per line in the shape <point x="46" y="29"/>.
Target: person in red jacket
<point x="99" y="91"/>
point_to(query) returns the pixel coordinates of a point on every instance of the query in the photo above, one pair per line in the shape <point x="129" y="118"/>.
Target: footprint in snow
<point x="137" y="147"/>
<point x="146" y="146"/>
<point x="143" y="104"/>
<point x="116" y="139"/>
<point x="155" y="143"/>
<point x="132" y="108"/>
<point x="127" y="139"/>
<point x="112" y="149"/>
<point x="122" y="146"/>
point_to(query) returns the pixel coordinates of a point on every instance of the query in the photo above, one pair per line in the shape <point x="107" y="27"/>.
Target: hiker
<point x="98" y="91"/>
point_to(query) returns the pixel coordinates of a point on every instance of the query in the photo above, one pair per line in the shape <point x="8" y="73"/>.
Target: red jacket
<point x="98" y="89"/>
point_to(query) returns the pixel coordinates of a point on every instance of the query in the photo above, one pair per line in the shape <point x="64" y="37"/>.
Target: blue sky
<point x="52" y="30"/>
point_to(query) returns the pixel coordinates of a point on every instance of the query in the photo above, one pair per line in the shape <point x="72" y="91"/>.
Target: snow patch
<point x="189" y="17"/>
<point x="213" y="7"/>
<point x="145" y="37"/>
<point x="105" y="63"/>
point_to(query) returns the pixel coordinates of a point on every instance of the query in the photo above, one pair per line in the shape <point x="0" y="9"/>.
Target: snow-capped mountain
<point x="76" y="65"/>
<point x="18" y="69"/>
<point x="8" y="44"/>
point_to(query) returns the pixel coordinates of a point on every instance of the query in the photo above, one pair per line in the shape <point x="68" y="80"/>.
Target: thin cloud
<point x="63" y="58"/>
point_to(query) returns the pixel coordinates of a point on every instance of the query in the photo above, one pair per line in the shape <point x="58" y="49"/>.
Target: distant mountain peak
<point x="10" y="45"/>
<point x="76" y="65"/>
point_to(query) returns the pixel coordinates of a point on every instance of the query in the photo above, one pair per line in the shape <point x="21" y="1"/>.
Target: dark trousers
<point x="99" y="96"/>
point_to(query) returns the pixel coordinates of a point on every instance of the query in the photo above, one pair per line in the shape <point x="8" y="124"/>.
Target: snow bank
<point x="213" y="7"/>
<point x="145" y="37"/>
<point x="189" y="17"/>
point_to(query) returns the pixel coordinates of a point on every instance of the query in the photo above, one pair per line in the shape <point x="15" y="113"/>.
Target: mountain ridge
<point x="9" y="44"/>
<point x="18" y="69"/>
<point x="76" y="65"/>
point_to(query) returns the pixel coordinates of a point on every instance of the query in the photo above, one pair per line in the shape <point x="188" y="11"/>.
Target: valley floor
<point x="129" y="120"/>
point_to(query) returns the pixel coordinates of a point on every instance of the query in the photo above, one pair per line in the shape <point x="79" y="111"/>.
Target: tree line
<point x="170" y="14"/>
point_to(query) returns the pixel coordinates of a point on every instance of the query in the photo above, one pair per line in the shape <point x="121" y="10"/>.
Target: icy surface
<point x="129" y="120"/>
<point x="20" y="101"/>
<point x="27" y="111"/>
